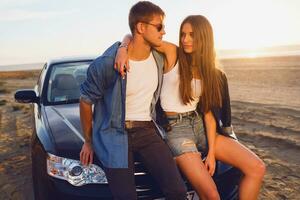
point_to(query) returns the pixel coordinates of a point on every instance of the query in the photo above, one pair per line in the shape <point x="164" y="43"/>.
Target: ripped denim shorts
<point x="187" y="134"/>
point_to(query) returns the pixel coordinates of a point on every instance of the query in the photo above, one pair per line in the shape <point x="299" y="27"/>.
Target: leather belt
<point x="183" y="115"/>
<point x="138" y="124"/>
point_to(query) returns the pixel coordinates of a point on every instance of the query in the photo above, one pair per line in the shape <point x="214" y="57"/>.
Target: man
<point x="123" y="121"/>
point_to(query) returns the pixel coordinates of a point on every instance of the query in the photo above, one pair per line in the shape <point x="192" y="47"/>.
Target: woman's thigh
<point x="192" y="166"/>
<point x="234" y="153"/>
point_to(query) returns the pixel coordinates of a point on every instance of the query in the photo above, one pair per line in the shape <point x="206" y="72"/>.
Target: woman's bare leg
<point x="192" y="167"/>
<point x="234" y="153"/>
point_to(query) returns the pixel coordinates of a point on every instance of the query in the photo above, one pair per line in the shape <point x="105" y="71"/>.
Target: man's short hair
<point x="143" y="11"/>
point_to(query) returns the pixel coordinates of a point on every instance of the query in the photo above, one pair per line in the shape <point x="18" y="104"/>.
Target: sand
<point x="265" y="96"/>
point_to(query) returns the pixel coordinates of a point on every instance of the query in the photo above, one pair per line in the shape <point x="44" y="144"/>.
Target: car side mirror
<point x="26" y="96"/>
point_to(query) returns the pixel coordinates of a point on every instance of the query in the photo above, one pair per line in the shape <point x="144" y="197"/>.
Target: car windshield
<point x="64" y="82"/>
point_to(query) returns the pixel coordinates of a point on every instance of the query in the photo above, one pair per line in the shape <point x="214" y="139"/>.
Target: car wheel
<point x="39" y="172"/>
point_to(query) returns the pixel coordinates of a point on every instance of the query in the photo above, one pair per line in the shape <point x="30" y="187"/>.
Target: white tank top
<point x="142" y="81"/>
<point x="170" y="96"/>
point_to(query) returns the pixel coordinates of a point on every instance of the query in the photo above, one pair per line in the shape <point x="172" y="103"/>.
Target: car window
<point x="41" y="78"/>
<point x="65" y="80"/>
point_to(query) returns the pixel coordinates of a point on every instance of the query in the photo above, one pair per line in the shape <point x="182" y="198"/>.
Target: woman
<point x="193" y="84"/>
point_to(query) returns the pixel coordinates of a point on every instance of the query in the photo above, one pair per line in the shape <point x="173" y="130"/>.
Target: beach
<point x="265" y="100"/>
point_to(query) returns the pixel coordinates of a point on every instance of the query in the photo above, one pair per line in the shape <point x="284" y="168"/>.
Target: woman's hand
<point x="122" y="61"/>
<point x="210" y="163"/>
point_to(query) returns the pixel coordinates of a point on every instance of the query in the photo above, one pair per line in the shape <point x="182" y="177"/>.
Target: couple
<point x="187" y="85"/>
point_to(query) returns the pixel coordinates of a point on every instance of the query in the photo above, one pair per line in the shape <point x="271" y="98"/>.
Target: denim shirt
<point x="106" y="90"/>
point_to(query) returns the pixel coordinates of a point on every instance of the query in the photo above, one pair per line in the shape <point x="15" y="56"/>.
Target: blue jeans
<point x="187" y="134"/>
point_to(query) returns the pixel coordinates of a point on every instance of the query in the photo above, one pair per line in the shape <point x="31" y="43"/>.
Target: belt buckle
<point x="128" y="124"/>
<point x="187" y="114"/>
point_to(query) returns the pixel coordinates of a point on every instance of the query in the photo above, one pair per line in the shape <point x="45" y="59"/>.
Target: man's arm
<point x="91" y="91"/>
<point x="86" y="118"/>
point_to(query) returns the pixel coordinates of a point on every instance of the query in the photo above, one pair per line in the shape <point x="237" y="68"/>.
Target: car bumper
<point x="61" y="189"/>
<point x="227" y="184"/>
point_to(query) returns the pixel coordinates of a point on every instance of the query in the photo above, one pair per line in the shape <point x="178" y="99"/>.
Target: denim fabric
<point x="187" y="134"/>
<point x="106" y="90"/>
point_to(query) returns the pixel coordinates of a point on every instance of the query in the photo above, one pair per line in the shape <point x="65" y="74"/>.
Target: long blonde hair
<point x="203" y="56"/>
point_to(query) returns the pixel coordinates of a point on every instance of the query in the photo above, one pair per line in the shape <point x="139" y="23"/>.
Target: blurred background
<point x="257" y="43"/>
<point x="34" y="30"/>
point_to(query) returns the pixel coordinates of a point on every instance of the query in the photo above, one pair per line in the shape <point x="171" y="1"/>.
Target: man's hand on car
<point x="86" y="154"/>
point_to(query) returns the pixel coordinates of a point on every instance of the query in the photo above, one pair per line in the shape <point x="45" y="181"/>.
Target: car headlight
<point x="74" y="172"/>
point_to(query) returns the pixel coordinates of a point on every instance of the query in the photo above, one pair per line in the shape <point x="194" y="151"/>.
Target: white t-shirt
<point x="170" y="96"/>
<point x="142" y="81"/>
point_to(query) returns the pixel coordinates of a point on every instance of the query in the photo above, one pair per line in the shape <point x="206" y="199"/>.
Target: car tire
<point x="39" y="171"/>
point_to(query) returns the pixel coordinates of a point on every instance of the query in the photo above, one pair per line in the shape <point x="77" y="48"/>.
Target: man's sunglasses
<point x="158" y="27"/>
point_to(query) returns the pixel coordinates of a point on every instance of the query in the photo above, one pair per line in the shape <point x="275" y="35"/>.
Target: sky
<point x="36" y="30"/>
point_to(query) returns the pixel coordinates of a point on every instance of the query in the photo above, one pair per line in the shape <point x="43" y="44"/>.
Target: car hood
<point x="65" y="128"/>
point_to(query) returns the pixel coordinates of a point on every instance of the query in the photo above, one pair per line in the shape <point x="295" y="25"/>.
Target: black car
<point x="57" y="140"/>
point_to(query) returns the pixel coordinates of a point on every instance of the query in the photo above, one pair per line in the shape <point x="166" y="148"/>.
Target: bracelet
<point x="123" y="46"/>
